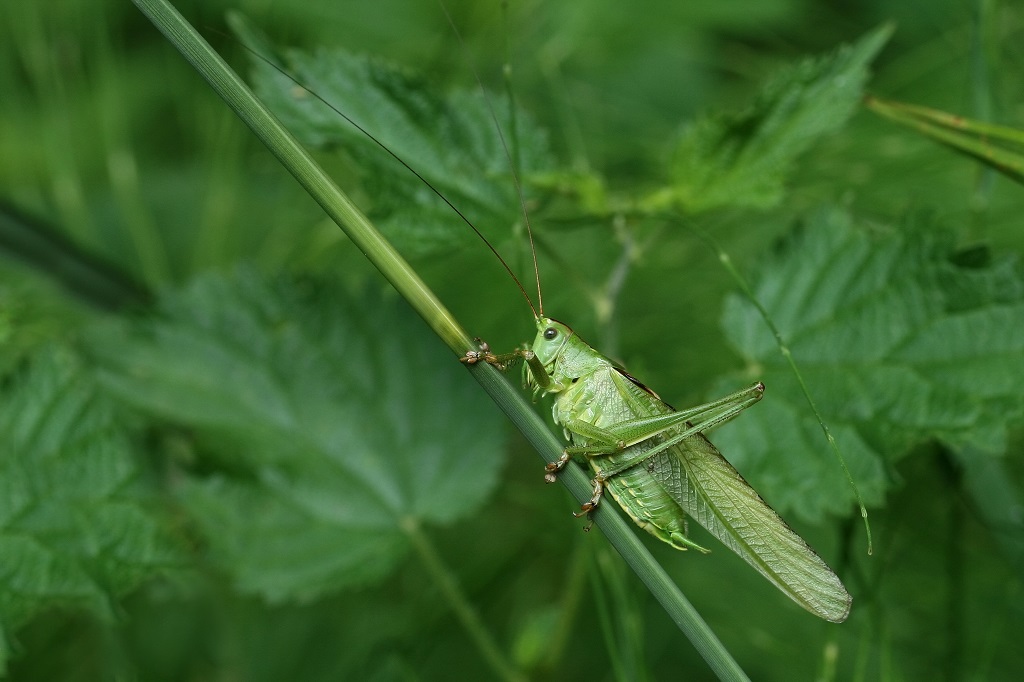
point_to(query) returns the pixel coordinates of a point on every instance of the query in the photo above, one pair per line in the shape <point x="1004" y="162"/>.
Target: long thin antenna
<point x="508" y="155"/>
<point x="419" y="176"/>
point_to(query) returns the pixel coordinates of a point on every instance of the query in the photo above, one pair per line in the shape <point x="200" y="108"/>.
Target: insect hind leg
<point x="588" y="507"/>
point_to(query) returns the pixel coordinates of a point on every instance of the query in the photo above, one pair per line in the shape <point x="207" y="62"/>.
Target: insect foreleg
<point x="541" y="378"/>
<point x="484" y="354"/>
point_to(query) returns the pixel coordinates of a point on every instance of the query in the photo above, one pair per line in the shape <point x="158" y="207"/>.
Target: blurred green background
<point x="229" y="453"/>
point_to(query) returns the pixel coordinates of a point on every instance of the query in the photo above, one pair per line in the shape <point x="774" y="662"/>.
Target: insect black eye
<point x="550" y="333"/>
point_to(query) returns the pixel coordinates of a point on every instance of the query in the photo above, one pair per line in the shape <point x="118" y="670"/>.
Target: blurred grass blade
<point x="999" y="147"/>
<point x="85" y="276"/>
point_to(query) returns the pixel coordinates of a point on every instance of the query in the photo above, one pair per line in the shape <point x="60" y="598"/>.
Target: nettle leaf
<point x="451" y="140"/>
<point x="74" y="530"/>
<point x="902" y="340"/>
<point x="743" y="159"/>
<point x="332" y="420"/>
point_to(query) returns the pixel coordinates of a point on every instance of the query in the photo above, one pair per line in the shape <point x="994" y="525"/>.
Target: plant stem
<point x="460" y="606"/>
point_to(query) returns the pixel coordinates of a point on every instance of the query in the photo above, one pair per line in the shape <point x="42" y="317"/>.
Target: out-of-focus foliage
<point x="271" y="472"/>
<point x="906" y="343"/>
<point x="744" y="159"/>
<point x="76" y="530"/>
<point x="334" y="429"/>
<point x="452" y="142"/>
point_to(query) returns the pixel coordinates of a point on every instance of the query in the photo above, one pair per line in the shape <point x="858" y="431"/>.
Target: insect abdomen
<point x="595" y="399"/>
<point x="647" y="502"/>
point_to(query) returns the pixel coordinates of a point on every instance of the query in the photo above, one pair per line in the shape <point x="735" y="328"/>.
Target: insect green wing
<point x="714" y="494"/>
<point x="670" y="469"/>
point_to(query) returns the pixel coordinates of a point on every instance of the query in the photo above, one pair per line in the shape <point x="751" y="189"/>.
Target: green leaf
<point x="74" y="532"/>
<point x="902" y="340"/>
<point x="330" y="420"/>
<point x="743" y="159"/>
<point x="452" y="141"/>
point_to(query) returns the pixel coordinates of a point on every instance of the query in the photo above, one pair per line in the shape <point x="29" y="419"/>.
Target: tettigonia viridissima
<point x="676" y="432"/>
<point x="655" y="460"/>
